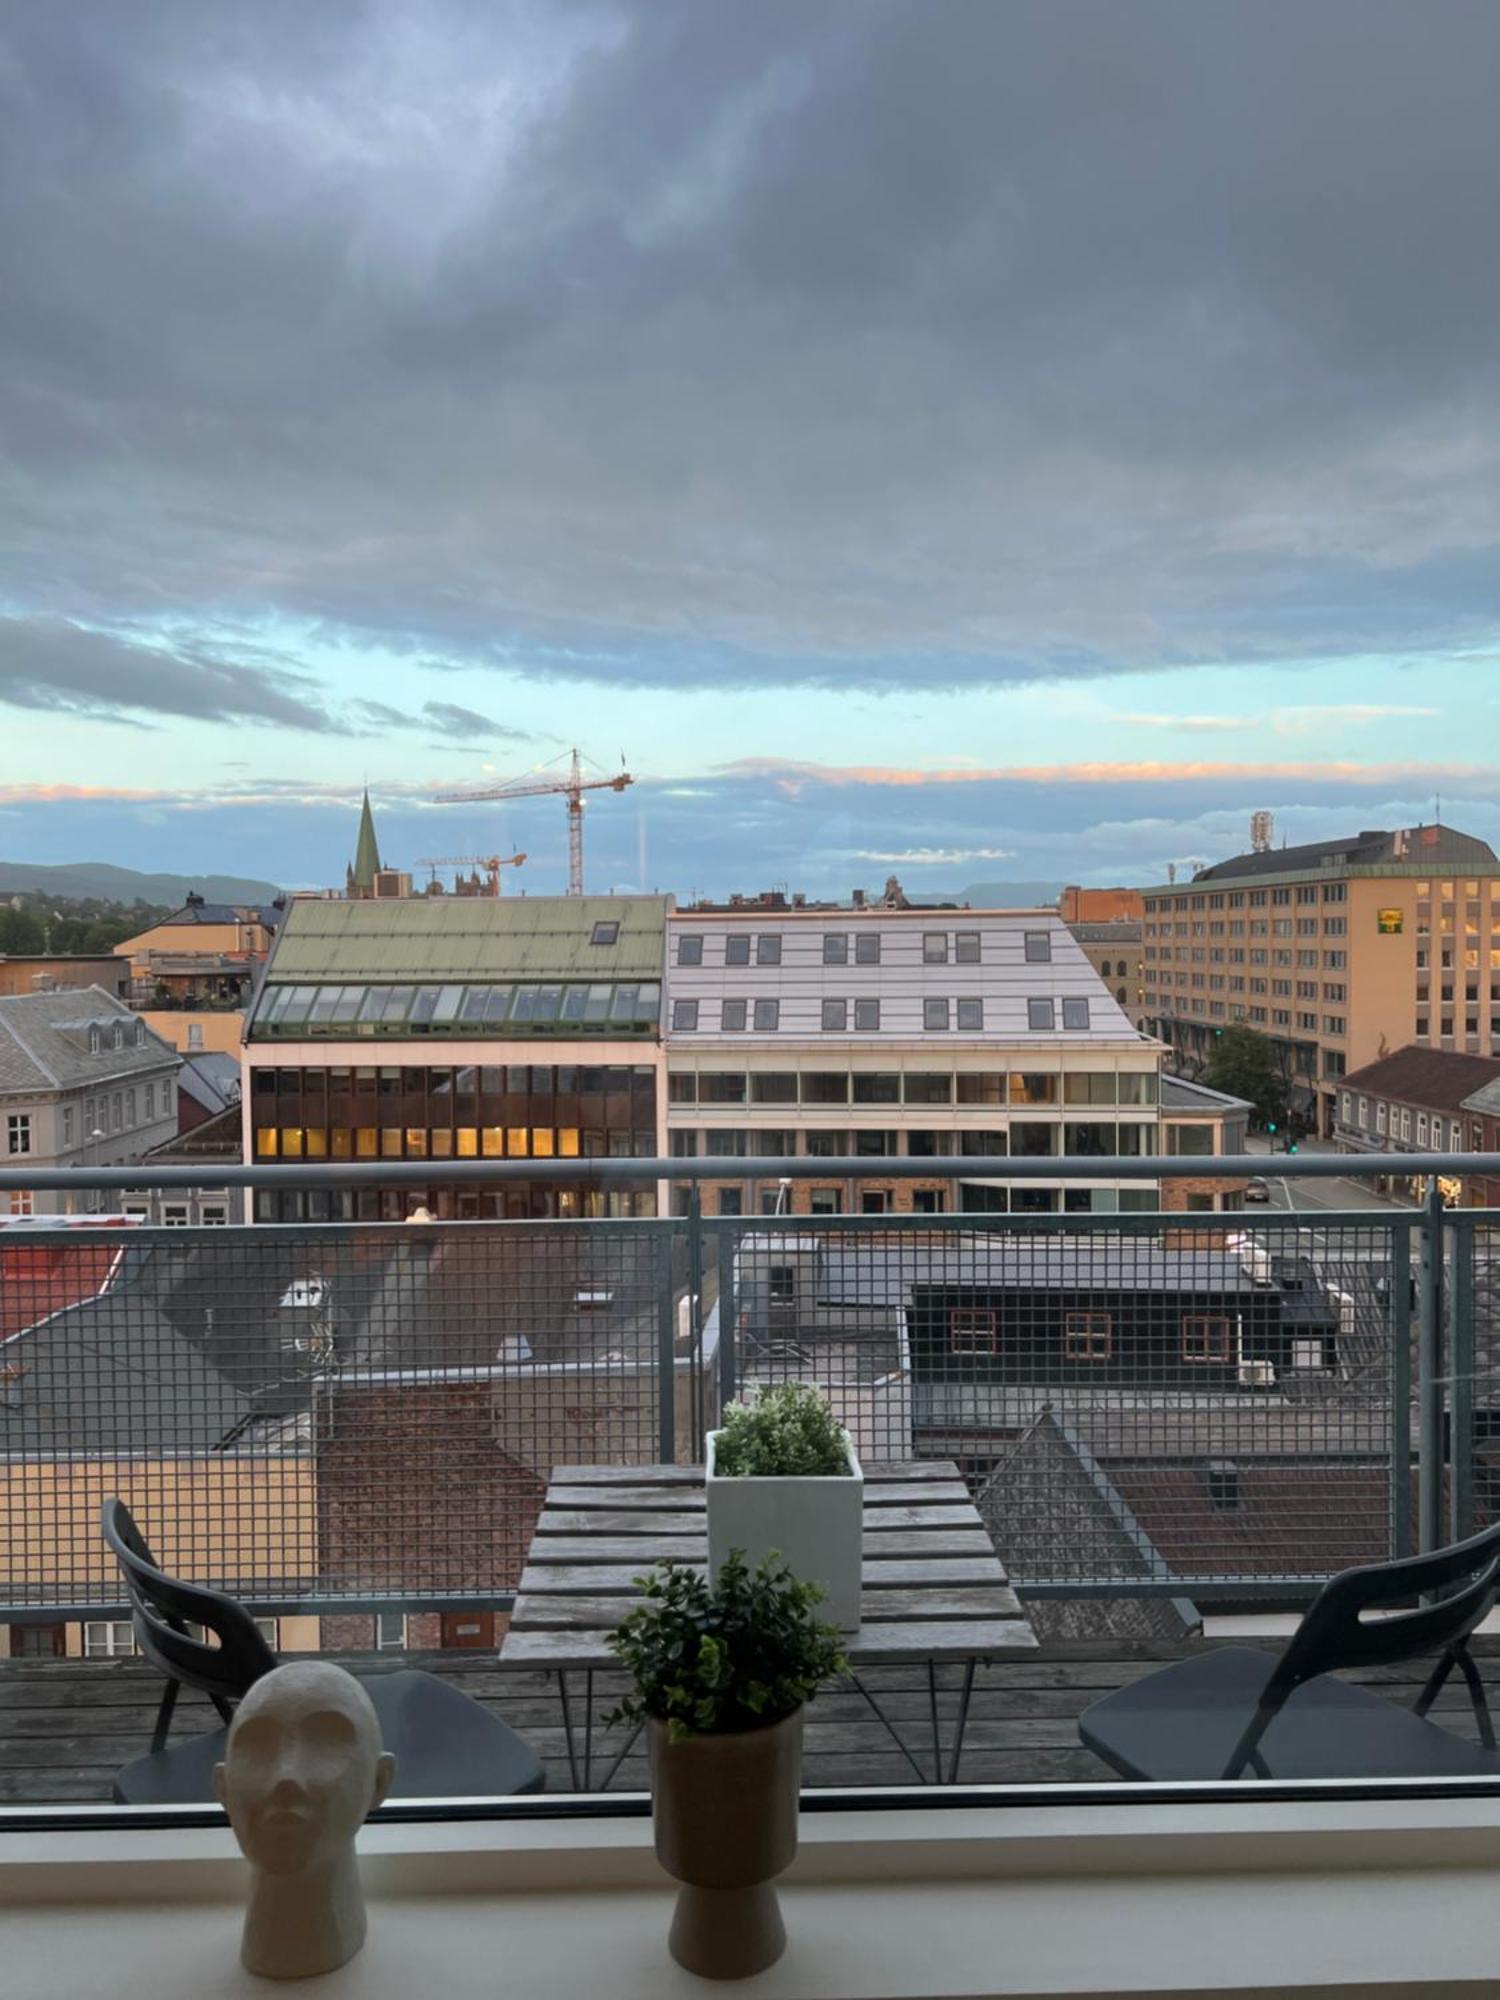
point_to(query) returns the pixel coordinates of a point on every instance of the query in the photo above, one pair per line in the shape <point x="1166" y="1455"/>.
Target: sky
<point x="975" y="441"/>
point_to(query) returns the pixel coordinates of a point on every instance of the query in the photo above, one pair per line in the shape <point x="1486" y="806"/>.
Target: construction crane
<point x="572" y="787"/>
<point x="490" y="863"/>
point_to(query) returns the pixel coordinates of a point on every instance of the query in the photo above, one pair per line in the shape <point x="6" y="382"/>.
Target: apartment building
<point x="443" y="1029"/>
<point x="83" y="1083"/>
<point x="878" y="1033"/>
<point x="1114" y="951"/>
<point x="1339" y="952"/>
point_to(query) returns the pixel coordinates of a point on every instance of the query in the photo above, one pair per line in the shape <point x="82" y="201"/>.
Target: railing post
<point x="1398" y="1331"/>
<point x="1461" y="1348"/>
<point x="1430" y="1374"/>
<point x="666" y="1354"/>
<point x="728" y="1320"/>
<point x="695" y="1312"/>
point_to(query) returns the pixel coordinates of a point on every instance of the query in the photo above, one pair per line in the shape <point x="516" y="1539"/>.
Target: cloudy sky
<point x="986" y="440"/>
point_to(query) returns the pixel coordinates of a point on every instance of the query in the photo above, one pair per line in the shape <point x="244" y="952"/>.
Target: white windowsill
<point x="1391" y="1899"/>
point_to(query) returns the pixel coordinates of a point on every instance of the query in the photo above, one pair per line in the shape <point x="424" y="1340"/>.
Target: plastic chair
<point x="447" y="1744"/>
<point x="1234" y="1711"/>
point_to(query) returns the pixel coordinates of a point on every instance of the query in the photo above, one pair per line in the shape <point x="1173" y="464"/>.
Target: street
<point x="1309" y="1196"/>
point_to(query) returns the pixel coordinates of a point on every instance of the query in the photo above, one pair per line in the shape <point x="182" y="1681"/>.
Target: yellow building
<point x="1341" y="953"/>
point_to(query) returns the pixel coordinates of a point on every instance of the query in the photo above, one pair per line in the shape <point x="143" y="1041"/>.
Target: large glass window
<point x="1089" y="1087"/>
<point x="737" y="950"/>
<point x="1032" y="1139"/>
<point x="835" y="1016"/>
<point x="1088" y="1140"/>
<point x="877" y="1087"/>
<point x="982" y="1086"/>
<point x="1033" y="1087"/>
<point x="773" y="1087"/>
<point x="721" y="1087"/>
<point x="690" y="950"/>
<point x="978" y="1144"/>
<point x="867" y="948"/>
<point x="928" y="1087"/>
<point x="825" y="1087"/>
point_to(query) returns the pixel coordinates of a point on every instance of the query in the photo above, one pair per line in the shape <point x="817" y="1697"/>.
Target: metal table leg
<point x="567" y="1716"/>
<point x="889" y="1727"/>
<point x="963" y="1718"/>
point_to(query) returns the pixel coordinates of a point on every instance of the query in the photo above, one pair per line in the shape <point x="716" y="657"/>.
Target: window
<point x="970" y="1016"/>
<point x="195" y="1036"/>
<point x="22" y="1201"/>
<point x="114" y="1640"/>
<point x="18" y="1132"/>
<point x="867" y="1016"/>
<point x="736" y="951"/>
<point x="934" y="947"/>
<point x="971" y="1330"/>
<point x="1088" y="1336"/>
<point x="835" y="1016"/>
<point x="130" y="1107"/>
<point x="774" y="1087"/>
<point x="1038" y="947"/>
<point x="390" y="1626"/>
<point x="175" y="1215"/>
<point x="966" y="947"/>
<point x="732" y="1016"/>
<point x="825" y="1086"/>
<point x="934" y="1013"/>
<point x="1206" y="1337"/>
<point x="731" y="1201"/>
<point x="1039" y="1014"/>
<point x="214" y="1215"/>
<point x="877" y="1087"/>
<point x="1075" y="1013"/>
<point x="928" y="1087"/>
<point x="689" y="951"/>
<point x="873" y="1201"/>
<point x="605" y="933"/>
<point x="767" y="1014"/>
<point x="1380" y="1115"/>
<point x="927" y="1201"/>
<point x="1421" y="1128"/>
<point x="835" y="948"/>
<point x="825" y="1201"/>
<point x="67" y="1125"/>
<point x="867" y="948"/>
<point x="684" y="1013"/>
<point x="768" y="950"/>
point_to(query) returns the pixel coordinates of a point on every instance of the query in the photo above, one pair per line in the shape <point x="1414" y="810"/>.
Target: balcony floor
<point x="66" y="1726"/>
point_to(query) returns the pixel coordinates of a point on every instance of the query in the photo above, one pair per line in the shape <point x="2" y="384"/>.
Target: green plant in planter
<point x="787" y="1432"/>
<point x="721" y="1658"/>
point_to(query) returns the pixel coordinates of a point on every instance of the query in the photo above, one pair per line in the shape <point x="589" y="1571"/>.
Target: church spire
<point x="366" y="853"/>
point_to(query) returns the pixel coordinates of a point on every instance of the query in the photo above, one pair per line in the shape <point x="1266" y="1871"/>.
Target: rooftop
<point x="1179" y="1093"/>
<point x="1406" y="848"/>
<point x="1439" y="1079"/>
<point x="46" y="1043"/>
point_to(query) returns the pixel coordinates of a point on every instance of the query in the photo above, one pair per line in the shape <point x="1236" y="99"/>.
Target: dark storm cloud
<point x="678" y="341"/>
<point x="50" y="663"/>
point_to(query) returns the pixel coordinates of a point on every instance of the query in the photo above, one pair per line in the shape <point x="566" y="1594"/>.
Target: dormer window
<point x="117" y="1035"/>
<point x="605" y="933"/>
<point x="95" y="1038"/>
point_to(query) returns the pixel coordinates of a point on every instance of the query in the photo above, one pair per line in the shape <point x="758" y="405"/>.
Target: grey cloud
<point x="663" y="343"/>
<point x="446" y="718"/>
<point x="50" y="663"/>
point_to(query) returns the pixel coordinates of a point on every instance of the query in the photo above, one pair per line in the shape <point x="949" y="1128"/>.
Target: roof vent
<point x="1222" y="1477"/>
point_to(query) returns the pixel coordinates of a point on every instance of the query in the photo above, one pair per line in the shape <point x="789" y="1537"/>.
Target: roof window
<point x="605" y="933"/>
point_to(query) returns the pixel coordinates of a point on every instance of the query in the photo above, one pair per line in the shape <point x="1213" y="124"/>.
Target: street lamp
<point x="93" y="1140"/>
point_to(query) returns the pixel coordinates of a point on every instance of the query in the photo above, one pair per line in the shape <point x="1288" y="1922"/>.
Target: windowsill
<point x="1394" y="1898"/>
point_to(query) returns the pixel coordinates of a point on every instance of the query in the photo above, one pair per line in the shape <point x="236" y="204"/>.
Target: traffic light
<point x="1291" y="1145"/>
<point x="1271" y="1128"/>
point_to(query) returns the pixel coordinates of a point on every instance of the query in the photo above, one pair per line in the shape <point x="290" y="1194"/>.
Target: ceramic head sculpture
<point x="302" y="1768"/>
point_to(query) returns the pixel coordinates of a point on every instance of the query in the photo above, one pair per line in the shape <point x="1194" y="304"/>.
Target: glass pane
<point x="597" y="1008"/>
<point x="884" y="1087"/>
<point x="497" y="1005"/>
<point x="299" y="1001"/>
<point x="423" y="1001"/>
<point x="524" y="1005"/>
<point x="449" y="1001"/>
<point x="622" y="1005"/>
<point x="548" y="1000"/>
<point x="273" y="1004"/>
<point x="476" y="998"/>
<point x="397" y="1000"/>
<point x="348" y="1003"/>
<point x="774" y="1087"/>
<point x="575" y="999"/>
<point x="648" y="1004"/>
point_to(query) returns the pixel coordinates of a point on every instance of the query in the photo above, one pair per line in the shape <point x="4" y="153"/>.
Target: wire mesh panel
<point x="323" y="1415"/>
<point x="1139" y="1405"/>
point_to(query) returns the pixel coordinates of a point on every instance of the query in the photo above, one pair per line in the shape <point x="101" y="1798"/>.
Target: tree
<point x="1244" y="1064"/>
<point x="20" y="933"/>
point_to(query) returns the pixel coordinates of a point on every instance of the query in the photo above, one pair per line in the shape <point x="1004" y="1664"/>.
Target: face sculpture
<point x="303" y="1767"/>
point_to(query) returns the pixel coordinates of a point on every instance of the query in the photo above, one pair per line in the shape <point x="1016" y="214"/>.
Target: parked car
<point x="1257" y="1190"/>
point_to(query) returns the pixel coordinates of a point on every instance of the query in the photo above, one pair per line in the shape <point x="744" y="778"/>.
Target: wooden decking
<point x="67" y="1726"/>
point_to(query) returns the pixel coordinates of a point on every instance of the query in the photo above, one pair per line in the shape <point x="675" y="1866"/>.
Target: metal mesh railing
<point x="329" y="1417"/>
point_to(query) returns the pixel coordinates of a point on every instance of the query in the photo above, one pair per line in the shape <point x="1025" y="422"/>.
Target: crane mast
<point x="572" y="788"/>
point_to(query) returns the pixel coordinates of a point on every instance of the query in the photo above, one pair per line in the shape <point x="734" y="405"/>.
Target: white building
<point x="83" y="1083"/>
<point x="900" y="1033"/>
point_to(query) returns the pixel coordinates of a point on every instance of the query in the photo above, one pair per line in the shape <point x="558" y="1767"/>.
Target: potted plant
<point x="782" y="1475"/>
<point x="721" y="1669"/>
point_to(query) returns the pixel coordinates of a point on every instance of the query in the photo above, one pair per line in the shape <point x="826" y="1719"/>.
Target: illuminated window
<point x="341" y="1142"/>
<point x="467" y="1138"/>
<point x="365" y="1142"/>
<point x="291" y="1142"/>
<point x="493" y="1142"/>
<point x="542" y="1147"/>
<point x="567" y="1142"/>
<point x="265" y="1141"/>
<point x="416" y="1142"/>
<point x="316" y="1143"/>
<point x="390" y="1142"/>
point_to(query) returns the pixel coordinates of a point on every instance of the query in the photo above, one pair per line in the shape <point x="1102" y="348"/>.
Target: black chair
<point x="1232" y="1711"/>
<point x="447" y="1744"/>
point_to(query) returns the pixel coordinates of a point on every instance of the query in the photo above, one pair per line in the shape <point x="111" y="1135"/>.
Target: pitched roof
<point x="1179" y="1093"/>
<point x="212" y="1079"/>
<point x="469" y="937"/>
<point x="267" y="915"/>
<point x="1407" y="847"/>
<point x="1439" y="1079"/>
<point x="44" y="1040"/>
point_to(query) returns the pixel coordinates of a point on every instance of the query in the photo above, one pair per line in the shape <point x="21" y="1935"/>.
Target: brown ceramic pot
<point x="725" y="1814"/>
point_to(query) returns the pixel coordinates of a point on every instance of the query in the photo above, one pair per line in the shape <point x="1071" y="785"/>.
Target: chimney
<point x="1222" y="1477"/>
<point x="859" y="899"/>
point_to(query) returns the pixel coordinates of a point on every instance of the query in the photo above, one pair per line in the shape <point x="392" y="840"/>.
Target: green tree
<point x="1244" y="1063"/>
<point x="20" y="932"/>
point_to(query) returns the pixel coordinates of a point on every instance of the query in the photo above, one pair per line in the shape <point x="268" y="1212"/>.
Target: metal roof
<point x="44" y="1040"/>
<point x="469" y="938"/>
<point x="1180" y="1093"/>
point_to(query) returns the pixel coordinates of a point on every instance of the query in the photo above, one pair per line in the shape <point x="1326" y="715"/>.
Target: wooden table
<point x="934" y="1590"/>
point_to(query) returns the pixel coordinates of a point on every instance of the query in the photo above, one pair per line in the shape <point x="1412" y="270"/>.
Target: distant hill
<point x="996" y="895"/>
<point x="98" y="879"/>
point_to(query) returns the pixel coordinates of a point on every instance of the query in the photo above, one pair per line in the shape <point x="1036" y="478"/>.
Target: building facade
<point x="1114" y="951"/>
<point x="1338" y="952"/>
<point x="1419" y="1101"/>
<point x="1202" y="1124"/>
<point x="83" y="1083"/>
<point x="448" y="1028"/>
<point x="1100" y="906"/>
<point x="50" y="972"/>
<point x="879" y="1034"/>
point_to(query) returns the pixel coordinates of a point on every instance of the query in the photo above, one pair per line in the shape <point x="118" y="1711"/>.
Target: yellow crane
<point x="572" y="786"/>
<point x="490" y="863"/>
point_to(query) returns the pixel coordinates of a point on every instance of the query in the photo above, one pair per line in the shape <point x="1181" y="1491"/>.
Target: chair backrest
<point x="1335" y="1633"/>
<point x="163" y="1608"/>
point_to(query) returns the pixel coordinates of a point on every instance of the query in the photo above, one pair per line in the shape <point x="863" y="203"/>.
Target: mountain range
<point x="102" y="881"/>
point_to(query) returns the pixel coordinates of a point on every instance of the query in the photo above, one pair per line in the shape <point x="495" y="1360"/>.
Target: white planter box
<point x="816" y="1523"/>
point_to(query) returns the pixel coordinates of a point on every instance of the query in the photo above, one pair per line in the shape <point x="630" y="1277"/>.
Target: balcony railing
<point x="1183" y="1407"/>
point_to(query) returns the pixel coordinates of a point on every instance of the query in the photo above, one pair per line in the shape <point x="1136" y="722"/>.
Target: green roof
<point x="470" y="938"/>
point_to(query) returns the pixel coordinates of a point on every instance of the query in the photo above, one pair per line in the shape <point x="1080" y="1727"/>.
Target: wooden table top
<point x="933" y="1587"/>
